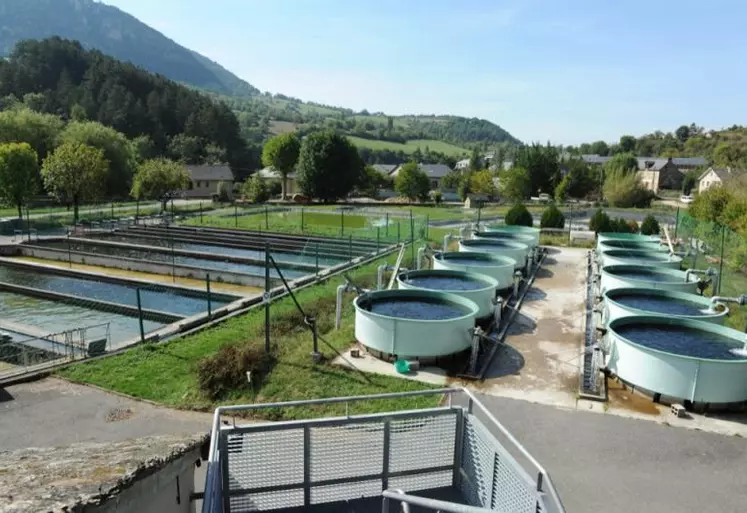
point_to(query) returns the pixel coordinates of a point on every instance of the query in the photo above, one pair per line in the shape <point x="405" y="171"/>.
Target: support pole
<point x="209" y="298"/>
<point x="267" y="219"/>
<point x="28" y="224"/>
<point x="201" y="212"/>
<point x="676" y="222"/>
<point x="721" y="260"/>
<point x="378" y="238"/>
<point x="342" y="223"/>
<point x="267" y="296"/>
<point x="137" y="211"/>
<point x="301" y="219"/>
<point x="235" y="215"/>
<point x="570" y="223"/>
<point x="140" y="315"/>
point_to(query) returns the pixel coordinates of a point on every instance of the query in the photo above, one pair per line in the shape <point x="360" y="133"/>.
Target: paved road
<point x="618" y="465"/>
<point x="53" y="412"/>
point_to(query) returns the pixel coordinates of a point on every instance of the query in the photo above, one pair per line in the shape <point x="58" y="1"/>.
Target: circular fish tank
<point x="639" y="301"/>
<point x="510" y="248"/>
<point x="479" y="288"/>
<point x="510" y="228"/>
<point x="524" y="238"/>
<point x="414" y="324"/>
<point x="641" y="276"/>
<point x="649" y="258"/>
<point x="679" y="358"/>
<point x="630" y="245"/>
<point x="499" y="267"/>
<point x="632" y="237"/>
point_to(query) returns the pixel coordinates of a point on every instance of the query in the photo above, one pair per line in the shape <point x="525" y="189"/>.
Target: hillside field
<point x="410" y="146"/>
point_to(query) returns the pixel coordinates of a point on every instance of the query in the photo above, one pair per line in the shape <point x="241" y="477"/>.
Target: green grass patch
<point x="409" y="146"/>
<point x="168" y="373"/>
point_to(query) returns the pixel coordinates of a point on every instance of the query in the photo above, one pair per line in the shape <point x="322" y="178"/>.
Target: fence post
<point x="378" y="233"/>
<point x="412" y="240"/>
<point x="140" y="315"/>
<point x="173" y="261"/>
<point x="570" y="224"/>
<point x="209" y="298"/>
<point x="676" y="223"/>
<point x="317" y="259"/>
<point x="342" y="223"/>
<point x="267" y="219"/>
<point x="69" y="251"/>
<point x="721" y="260"/>
<point x="137" y="211"/>
<point x="112" y="210"/>
<point x="386" y="226"/>
<point x="398" y="232"/>
<point x="427" y="225"/>
<point x="301" y="219"/>
<point x="235" y="215"/>
<point x="267" y="296"/>
<point x="350" y="247"/>
<point x="28" y="224"/>
<point x="201" y="212"/>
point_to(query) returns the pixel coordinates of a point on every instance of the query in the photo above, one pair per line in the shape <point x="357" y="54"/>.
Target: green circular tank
<point x="510" y="228"/>
<point x="524" y="238"/>
<point x="650" y="258"/>
<point x="644" y="276"/>
<point x="679" y="358"/>
<point x="499" y="267"/>
<point x="623" y="302"/>
<point x="479" y="288"/>
<point x="602" y="236"/>
<point x="418" y="324"/>
<point x="510" y="248"/>
<point x="610" y="244"/>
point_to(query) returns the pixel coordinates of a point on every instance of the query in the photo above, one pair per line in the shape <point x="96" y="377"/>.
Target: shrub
<point x="633" y="226"/>
<point x="224" y="371"/>
<point x="437" y="197"/>
<point x="224" y="192"/>
<point x="620" y="225"/>
<point x="650" y="226"/>
<point x="625" y="190"/>
<point x="552" y="217"/>
<point x="518" y="215"/>
<point x="600" y="222"/>
<point x="255" y="189"/>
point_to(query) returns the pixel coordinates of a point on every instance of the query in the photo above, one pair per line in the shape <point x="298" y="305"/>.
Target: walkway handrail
<point x="423" y="502"/>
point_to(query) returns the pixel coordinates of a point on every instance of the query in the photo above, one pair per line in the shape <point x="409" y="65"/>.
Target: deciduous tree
<point x="19" y="174"/>
<point x="481" y="182"/>
<point x="159" y="179"/>
<point x="281" y="153"/>
<point x="412" y="182"/>
<point x="515" y="184"/>
<point x="328" y="166"/>
<point x="75" y="173"/>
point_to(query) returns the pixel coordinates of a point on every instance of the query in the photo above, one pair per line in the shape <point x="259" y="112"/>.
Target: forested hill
<point x="117" y="34"/>
<point x="60" y="77"/>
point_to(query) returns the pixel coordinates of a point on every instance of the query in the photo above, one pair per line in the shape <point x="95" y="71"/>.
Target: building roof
<point x="651" y="163"/>
<point x="205" y="172"/>
<point x="385" y="169"/>
<point x="689" y="161"/>
<point x="435" y="170"/>
<point x="723" y="173"/>
<point x="594" y="159"/>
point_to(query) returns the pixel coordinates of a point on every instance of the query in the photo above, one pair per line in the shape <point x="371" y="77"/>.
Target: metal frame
<point x="547" y="499"/>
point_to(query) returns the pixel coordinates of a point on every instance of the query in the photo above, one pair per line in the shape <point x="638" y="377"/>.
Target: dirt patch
<point x="621" y="396"/>
<point x="117" y="414"/>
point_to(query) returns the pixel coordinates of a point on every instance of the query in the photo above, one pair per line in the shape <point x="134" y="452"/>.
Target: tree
<point x="599" y="148"/>
<point x="481" y="182"/>
<point x="552" y="217"/>
<point x="650" y="226"/>
<point x="627" y="144"/>
<point x="78" y="113"/>
<point x="187" y="149"/>
<point x="710" y="205"/>
<point x="600" y="222"/>
<point x="561" y="191"/>
<point x="475" y="161"/>
<point x="19" y="174"/>
<point x="626" y="191"/>
<point x="371" y="181"/>
<point x="518" y="215"/>
<point x="412" y="182"/>
<point x="75" y="173"/>
<point x="281" y="153"/>
<point x="689" y="181"/>
<point x="24" y="125"/>
<point x="542" y="164"/>
<point x="328" y="166"/>
<point x="683" y="133"/>
<point x="118" y="150"/>
<point x="622" y="162"/>
<point x="515" y="184"/>
<point x="255" y="189"/>
<point x="729" y="154"/>
<point x="451" y="180"/>
<point x="159" y="179"/>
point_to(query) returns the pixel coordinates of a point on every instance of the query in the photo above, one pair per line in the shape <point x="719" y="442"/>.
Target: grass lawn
<point x="13" y="212"/>
<point x="167" y="373"/>
<point x="409" y="146"/>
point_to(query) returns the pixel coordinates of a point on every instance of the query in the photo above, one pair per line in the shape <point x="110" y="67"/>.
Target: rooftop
<point x="206" y="172"/>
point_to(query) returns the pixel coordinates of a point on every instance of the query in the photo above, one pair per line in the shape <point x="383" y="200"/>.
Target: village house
<point x="205" y="179"/>
<point x="271" y="175"/>
<point x="717" y="176"/>
<point x="435" y="173"/>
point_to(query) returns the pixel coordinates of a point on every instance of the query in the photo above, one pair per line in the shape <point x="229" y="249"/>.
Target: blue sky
<point x="566" y="71"/>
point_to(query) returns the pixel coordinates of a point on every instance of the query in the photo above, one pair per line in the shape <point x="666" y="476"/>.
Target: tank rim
<point x="508" y="243"/>
<point x="498" y="260"/>
<point x="652" y="319"/>
<point x="489" y="281"/>
<point x="447" y="297"/>
<point x="661" y="293"/>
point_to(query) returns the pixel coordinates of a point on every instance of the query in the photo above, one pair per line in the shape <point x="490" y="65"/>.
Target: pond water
<point x="682" y="340"/>
<point x="417" y="309"/>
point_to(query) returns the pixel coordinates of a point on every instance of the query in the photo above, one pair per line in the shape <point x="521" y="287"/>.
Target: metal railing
<point x="437" y="505"/>
<point x="269" y="466"/>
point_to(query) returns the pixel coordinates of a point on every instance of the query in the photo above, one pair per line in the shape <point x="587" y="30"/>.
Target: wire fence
<point x="707" y="244"/>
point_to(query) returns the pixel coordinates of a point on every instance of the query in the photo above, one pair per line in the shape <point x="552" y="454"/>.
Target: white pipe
<point x="421" y="254"/>
<point x="447" y="239"/>
<point x="669" y="241"/>
<point x="380" y="276"/>
<point x="517" y="280"/>
<point x="497" y="310"/>
<point x="741" y="300"/>
<point x="341" y="289"/>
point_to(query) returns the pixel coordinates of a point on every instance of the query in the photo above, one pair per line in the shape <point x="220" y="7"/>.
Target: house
<point x="659" y="173"/>
<point x="435" y="173"/>
<point x="385" y="169"/>
<point x="717" y="176"/>
<point x="204" y="181"/>
<point x="689" y="163"/>
<point x="462" y="164"/>
<point x="291" y="184"/>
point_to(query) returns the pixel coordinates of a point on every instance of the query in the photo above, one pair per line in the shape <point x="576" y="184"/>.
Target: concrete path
<point x="54" y="412"/>
<point x="622" y="465"/>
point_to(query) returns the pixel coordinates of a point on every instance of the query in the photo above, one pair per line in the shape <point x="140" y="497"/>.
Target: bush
<point x="518" y="215"/>
<point x="650" y="226"/>
<point x="224" y="371"/>
<point x="255" y="189"/>
<point x="600" y="222"/>
<point x="626" y="191"/>
<point x="620" y="225"/>
<point x="552" y="217"/>
<point x="437" y="197"/>
<point x="223" y="192"/>
<point x="633" y="226"/>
